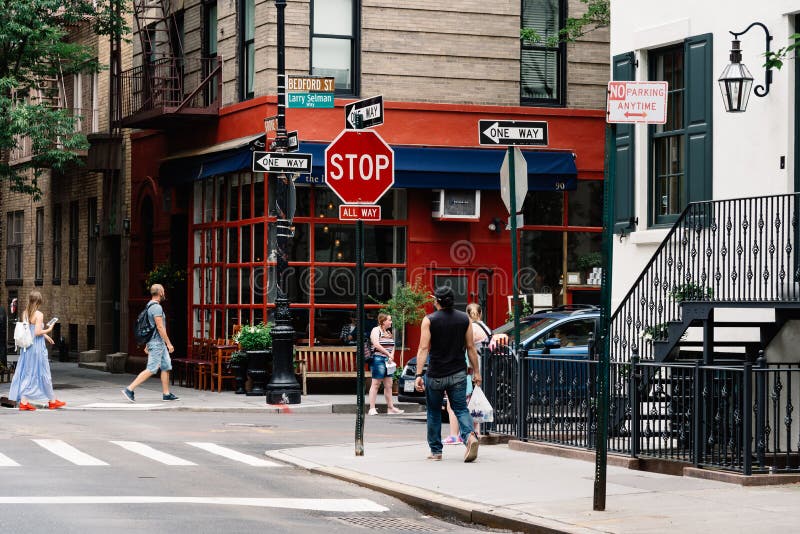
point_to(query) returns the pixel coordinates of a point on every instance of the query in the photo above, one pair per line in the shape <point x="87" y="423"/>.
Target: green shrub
<point x="258" y="337"/>
<point x="691" y="292"/>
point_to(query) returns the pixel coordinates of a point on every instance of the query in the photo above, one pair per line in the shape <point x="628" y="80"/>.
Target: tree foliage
<point x="34" y="47"/>
<point x="407" y="306"/>
<point x="775" y="59"/>
<point x="597" y="15"/>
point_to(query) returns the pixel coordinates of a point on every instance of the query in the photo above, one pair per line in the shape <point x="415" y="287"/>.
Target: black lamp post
<point x="736" y="81"/>
<point x="283" y="387"/>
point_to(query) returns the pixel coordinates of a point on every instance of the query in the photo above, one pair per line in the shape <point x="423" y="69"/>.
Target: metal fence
<point x="725" y="416"/>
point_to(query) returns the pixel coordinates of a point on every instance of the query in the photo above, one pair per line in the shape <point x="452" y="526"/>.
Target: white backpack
<point x="22" y="335"/>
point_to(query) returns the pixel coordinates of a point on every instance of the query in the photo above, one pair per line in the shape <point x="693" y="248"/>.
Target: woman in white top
<point x="382" y="340"/>
<point x="480" y="333"/>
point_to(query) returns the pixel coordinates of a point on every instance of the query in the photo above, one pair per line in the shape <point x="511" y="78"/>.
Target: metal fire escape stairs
<point x="161" y="51"/>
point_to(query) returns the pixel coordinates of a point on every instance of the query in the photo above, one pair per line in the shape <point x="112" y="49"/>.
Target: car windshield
<point x="527" y="329"/>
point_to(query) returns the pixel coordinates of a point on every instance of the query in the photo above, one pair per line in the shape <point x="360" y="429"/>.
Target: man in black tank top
<point x="446" y="333"/>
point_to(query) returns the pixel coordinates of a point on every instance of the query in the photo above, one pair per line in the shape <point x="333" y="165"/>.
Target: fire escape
<point x="166" y="85"/>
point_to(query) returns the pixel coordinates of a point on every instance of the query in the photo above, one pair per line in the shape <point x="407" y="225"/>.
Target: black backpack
<point x="143" y="330"/>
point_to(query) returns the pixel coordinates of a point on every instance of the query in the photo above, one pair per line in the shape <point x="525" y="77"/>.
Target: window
<point x="39" y="268"/>
<point x="210" y="45"/>
<point x="14" y="246"/>
<point x="95" y="104"/>
<point x="74" y="226"/>
<point x="57" y="230"/>
<point x="73" y="337"/>
<point x="233" y="266"/>
<point x="542" y="67"/>
<point x="247" y="48"/>
<point x="77" y="100"/>
<point x="334" y="43"/>
<point x="680" y="157"/>
<point x="91" y="253"/>
<point x="90" y="337"/>
<point x="668" y="140"/>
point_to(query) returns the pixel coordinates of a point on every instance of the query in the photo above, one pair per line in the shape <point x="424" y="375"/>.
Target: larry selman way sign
<point x="512" y="133"/>
<point x="637" y="102"/>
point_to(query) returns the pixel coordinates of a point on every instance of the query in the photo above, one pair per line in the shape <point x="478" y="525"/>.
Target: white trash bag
<point x="479" y="407"/>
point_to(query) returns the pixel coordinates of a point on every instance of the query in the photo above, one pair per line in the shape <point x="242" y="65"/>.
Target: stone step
<point x="97" y="366"/>
<point x="91" y="356"/>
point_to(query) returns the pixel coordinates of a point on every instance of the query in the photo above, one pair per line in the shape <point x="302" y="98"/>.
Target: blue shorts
<point x="158" y="357"/>
<point x="378" y="367"/>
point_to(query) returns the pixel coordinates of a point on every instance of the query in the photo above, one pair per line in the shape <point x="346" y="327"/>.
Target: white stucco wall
<point x="747" y="146"/>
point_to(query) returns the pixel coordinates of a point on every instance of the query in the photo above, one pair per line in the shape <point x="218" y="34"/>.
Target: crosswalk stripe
<point x="154" y="454"/>
<point x="68" y="452"/>
<point x="5" y="461"/>
<point x="231" y="454"/>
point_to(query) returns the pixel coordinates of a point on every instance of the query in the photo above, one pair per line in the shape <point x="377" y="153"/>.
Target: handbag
<point x="368" y="352"/>
<point x="22" y="335"/>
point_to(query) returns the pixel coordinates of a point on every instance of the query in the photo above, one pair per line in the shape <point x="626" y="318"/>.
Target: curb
<point x="265" y="409"/>
<point x="437" y="503"/>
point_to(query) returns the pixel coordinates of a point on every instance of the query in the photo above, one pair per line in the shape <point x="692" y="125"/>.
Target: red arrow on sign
<point x="629" y="114"/>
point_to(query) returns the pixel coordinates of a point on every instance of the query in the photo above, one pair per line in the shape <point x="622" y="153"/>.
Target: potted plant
<point x="256" y="341"/>
<point x="691" y="292"/>
<point x="589" y="261"/>
<point x="238" y="365"/>
<point x="168" y="275"/>
<point x="407" y="307"/>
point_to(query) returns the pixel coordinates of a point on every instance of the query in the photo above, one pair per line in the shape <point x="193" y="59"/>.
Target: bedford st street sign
<point x="370" y="109"/>
<point x="637" y="102"/>
<point x="281" y="162"/>
<point x="512" y="133"/>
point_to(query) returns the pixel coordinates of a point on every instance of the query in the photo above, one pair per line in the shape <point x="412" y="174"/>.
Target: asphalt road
<point x="177" y="472"/>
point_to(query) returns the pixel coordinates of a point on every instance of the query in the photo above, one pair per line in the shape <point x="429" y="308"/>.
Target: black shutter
<point x="699" y="105"/>
<point x="624" y="69"/>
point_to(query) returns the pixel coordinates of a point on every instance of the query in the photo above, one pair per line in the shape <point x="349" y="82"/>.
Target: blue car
<point x="562" y="333"/>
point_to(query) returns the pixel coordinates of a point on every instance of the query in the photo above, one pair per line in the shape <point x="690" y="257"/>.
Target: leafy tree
<point x="407" y="307"/>
<point x="597" y="15"/>
<point x="34" y="50"/>
<point x="775" y="59"/>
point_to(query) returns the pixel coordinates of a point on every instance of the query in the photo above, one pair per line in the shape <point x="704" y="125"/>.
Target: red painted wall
<point x="432" y="245"/>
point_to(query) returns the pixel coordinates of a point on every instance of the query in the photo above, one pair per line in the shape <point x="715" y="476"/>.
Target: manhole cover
<point x="389" y="523"/>
<point x="66" y="386"/>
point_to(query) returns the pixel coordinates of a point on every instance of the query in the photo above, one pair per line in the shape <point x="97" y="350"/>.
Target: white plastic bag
<point x="479" y="407"/>
<point x="22" y="335"/>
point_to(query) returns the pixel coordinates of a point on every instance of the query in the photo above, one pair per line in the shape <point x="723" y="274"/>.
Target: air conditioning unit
<point x="456" y="204"/>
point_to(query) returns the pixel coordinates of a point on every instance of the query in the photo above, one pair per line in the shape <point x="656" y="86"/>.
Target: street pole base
<point x="283" y="396"/>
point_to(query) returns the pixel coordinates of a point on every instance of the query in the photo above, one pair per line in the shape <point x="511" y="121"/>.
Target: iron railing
<point x="733" y="417"/>
<point x="740" y="250"/>
<point x="172" y="85"/>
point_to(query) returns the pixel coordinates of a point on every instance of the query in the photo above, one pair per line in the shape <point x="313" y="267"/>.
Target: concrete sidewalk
<point x="540" y="493"/>
<point x="87" y="389"/>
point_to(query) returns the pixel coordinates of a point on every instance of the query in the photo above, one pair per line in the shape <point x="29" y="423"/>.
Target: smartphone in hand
<point x="52" y="321"/>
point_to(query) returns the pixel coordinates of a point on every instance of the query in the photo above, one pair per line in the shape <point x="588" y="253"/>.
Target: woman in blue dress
<point x="32" y="380"/>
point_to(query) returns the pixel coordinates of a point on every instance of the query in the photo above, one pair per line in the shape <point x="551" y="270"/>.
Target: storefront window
<point x="234" y="268"/>
<point x="541" y="266"/>
<point x="544" y="208"/>
<point x="585" y="205"/>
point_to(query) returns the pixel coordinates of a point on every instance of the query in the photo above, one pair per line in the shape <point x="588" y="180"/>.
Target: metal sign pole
<point x="512" y="171"/>
<point x="360" y="335"/>
<point x="601" y="458"/>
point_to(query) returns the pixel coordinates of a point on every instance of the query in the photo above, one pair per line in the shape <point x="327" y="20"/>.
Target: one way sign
<point x="281" y="162"/>
<point x="511" y="133"/>
<point x="370" y="109"/>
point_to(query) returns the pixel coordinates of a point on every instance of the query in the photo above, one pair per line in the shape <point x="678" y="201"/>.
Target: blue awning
<point x="416" y="167"/>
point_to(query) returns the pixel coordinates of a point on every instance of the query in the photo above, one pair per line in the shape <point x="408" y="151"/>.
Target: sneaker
<point x="395" y="411"/>
<point x="472" y="449"/>
<point x="373" y="411"/>
<point x="169" y="397"/>
<point x="25" y="407"/>
<point x="128" y="394"/>
<point x="55" y="404"/>
<point x="436" y="457"/>
<point x="452" y="440"/>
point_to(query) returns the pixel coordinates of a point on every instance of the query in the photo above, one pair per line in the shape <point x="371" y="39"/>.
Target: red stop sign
<point x="359" y="166"/>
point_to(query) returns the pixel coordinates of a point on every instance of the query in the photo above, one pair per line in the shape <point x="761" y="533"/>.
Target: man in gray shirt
<point x="158" y="348"/>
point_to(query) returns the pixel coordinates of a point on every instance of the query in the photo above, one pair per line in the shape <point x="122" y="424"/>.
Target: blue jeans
<point x="456" y="388"/>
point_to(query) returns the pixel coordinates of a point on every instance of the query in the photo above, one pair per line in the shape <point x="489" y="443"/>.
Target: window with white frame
<point x="39" y="266"/>
<point x="14" y="236"/>
<point x="334" y="42"/>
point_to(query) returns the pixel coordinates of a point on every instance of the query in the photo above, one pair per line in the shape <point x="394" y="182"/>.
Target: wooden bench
<point x="326" y="362"/>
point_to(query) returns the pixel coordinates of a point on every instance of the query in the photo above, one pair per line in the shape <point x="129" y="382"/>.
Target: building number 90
<point x="561" y="186"/>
